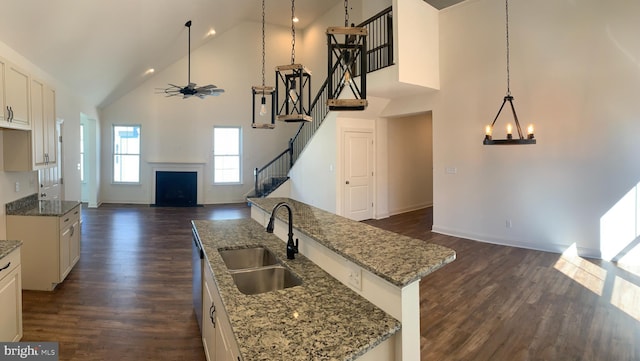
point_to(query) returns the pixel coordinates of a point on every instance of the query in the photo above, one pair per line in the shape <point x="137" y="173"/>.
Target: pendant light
<point x="488" y="138"/>
<point x="293" y="85"/>
<point x="263" y="101"/>
<point x="347" y="60"/>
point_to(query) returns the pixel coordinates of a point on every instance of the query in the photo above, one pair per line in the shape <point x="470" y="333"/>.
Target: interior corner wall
<point x="575" y="74"/>
<point x="313" y="176"/>
<point x="410" y="163"/>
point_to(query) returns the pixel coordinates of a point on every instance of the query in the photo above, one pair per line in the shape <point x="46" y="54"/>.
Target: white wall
<point x="180" y="130"/>
<point x="575" y="73"/>
<point x="69" y="105"/>
<point x="410" y="163"/>
<point x="313" y="176"/>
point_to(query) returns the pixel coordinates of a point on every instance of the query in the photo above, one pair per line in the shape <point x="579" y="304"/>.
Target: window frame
<point x="113" y="154"/>
<point x="239" y="154"/>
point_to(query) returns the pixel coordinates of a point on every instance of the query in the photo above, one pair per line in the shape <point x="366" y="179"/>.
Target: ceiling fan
<point x="191" y="88"/>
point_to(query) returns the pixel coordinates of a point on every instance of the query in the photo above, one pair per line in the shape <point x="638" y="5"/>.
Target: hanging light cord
<point x="263" y="47"/>
<point x="346" y="13"/>
<point x="293" y="32"/>
<point x="507" y="32"/>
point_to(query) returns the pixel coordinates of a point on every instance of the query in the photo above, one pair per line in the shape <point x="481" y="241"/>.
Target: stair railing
<point x="379" y="55"/>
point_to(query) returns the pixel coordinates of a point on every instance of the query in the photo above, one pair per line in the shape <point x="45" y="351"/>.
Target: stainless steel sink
<point x="244" y="258"/>
<point x="265" y="279"/>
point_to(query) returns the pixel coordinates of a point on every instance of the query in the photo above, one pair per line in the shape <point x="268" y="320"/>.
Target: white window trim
<point x="240" y="156"/>
<point x="113" y="134"/>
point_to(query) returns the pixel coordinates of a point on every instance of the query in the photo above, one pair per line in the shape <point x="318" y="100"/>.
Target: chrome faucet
<point x="292" y="248"/>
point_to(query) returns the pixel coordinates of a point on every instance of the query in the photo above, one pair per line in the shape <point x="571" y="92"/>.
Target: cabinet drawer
<point x="11" y="262"/>
<point x="69" y="218"/>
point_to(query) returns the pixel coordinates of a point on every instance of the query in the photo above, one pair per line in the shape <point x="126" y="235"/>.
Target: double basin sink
<point x="257" y="270"/>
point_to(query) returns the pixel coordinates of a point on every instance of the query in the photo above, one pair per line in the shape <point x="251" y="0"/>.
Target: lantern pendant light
<point x="263" y="104"/>
<point x="293" y="86"/>
<point x="345" y="61"/>
<point x="488" y="138"/>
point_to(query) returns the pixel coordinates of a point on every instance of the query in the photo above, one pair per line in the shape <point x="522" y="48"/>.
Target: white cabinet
<point x="37" y="148"/>
<point x="217" y="335"/>
<point x="10" y="297"/>
<point x="14" y="97"/>
<point x="50" y="247"/>
<point x="43" y="117"/>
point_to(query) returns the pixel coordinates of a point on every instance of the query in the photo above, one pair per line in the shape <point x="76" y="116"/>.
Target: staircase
<point x="379" y="55"/>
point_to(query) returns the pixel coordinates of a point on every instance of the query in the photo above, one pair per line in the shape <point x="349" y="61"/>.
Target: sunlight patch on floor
<point x="589" y="275"/>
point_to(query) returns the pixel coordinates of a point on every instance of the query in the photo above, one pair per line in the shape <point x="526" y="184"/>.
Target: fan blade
<point x="206" y="87"/>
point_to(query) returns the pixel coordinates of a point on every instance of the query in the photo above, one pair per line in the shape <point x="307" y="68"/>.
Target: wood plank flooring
<point x="504" y="303"/>
<point x="129" y="297"/>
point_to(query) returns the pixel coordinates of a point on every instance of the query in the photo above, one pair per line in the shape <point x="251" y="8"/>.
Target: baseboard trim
<point x="553" y="248"/>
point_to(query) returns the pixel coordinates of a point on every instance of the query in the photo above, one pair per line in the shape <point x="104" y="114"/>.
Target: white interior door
<point x="358" y="175"/>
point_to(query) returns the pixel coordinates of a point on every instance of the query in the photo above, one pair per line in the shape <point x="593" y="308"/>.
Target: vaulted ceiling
<point x="104" y="47"/>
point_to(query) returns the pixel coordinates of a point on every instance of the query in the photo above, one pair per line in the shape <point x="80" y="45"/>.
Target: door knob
<point x="347" y="182"/>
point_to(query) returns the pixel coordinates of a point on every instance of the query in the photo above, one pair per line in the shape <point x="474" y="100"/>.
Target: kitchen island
<point x="381" y="266"/>
<point x="320" y="319"/>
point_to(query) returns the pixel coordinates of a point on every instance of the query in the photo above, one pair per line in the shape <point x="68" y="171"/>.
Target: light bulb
<point x="530" y="131"/>
<point x="488" y="130"/>
<point x="263" y="106"/>
<point x="293" y="96"/>
<point x="509" y="128"/>
<point x="347" y="78"/>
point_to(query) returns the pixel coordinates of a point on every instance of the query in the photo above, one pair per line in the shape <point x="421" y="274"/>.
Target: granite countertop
<point x="7" y="247"/>
<point x="31" y="206"/>
<point x="398" y="259"/>
<point x="319" y="320"/>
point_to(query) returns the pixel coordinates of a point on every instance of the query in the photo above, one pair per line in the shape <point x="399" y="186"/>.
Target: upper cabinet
<point x="37" y="148"/>
<point x="14" y="96"/>
<point x="43" y="117"/>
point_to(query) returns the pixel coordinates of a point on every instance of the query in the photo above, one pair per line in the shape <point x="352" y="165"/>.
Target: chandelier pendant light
<point x="510" y="140"/>
<point x="347" y="60"/>
<point x="293" y="86"/>
<point x="263" y="104"/>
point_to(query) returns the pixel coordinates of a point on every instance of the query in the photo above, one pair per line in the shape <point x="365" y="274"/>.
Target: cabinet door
<point x="17" y="96"/>
<point x="74" y="244"/>
<point x="208" y="322"/>
<point x="51" y="138"/>
<point x="3" y="109"/>
<point x="38" y="122"/>
<point x="11" y="310"/>
<point x="65" y="252"/>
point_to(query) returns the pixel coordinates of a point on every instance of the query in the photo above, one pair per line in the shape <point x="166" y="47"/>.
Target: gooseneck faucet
<point x="292" y="248"/>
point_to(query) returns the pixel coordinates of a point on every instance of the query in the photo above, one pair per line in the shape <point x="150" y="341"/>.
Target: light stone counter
<point x="319" y="320"/>
<point x="398" y="259"/>
<point x="7" y="247"/>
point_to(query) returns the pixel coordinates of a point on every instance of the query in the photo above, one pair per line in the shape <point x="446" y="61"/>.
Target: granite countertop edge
<point x="399" y="266"/>
<point x="8" y="246"/>
<point x="330" y="320"/>
<point x="44" y="208"/>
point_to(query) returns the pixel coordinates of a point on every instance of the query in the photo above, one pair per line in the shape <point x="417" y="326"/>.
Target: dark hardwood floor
<point x="129" y="297"/>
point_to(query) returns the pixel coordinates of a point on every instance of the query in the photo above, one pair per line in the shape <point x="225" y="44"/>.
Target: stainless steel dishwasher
<point x="197" y="261"/>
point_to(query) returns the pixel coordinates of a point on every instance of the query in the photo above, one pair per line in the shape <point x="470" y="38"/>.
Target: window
<point x="227" y="142"/>
<point x="126" y="153"/>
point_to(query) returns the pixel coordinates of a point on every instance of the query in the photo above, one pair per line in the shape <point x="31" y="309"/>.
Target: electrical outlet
<point x="508" y="223"/>
<point x="17" y="187"/>
<point x="451" y="170"/>
<point x="355" y="277"/>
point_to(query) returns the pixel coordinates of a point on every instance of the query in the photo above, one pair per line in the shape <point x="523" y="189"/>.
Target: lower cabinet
<point x="10" y="298"/>
<point x="217" y="335"/>
<point x="50" y="247"/>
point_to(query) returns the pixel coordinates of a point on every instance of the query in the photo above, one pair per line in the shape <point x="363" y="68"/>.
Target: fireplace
<point x="176" y="189"/>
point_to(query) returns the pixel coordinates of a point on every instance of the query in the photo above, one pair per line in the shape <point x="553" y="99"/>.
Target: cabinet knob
<point x="43" y="195"/>
<point x="347" y="182"/>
